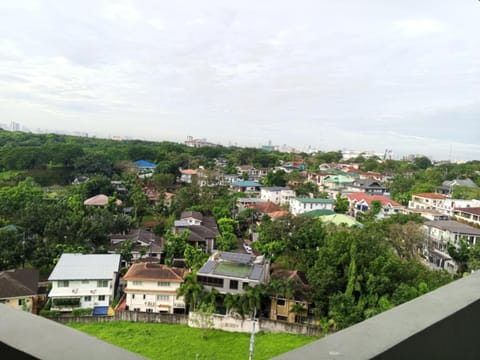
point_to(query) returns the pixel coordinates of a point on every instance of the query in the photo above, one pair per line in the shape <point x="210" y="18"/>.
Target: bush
<point x="82" y="312"/>
<point x="49" y="313"/>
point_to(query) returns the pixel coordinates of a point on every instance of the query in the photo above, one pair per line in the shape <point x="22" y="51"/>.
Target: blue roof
<point x="145" y="164"/>
<point x="247" y="184"/>
<point x="100" y="310"/>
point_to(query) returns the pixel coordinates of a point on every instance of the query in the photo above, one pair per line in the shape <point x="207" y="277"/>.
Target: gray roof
<point x="237" y="257"/>
<point x="84" y="267"/>
<point x="453" y="226"/>
<point x="275" y="188"/>
<point x="459" y="182"/>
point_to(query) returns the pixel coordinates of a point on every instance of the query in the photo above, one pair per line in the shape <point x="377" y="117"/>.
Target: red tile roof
<point x="470" y="210"/>
<point x="158" y="272"/>
<point x="189" y="172"/>
<point x="431" y="196"/>
<point x="359" y="196"/>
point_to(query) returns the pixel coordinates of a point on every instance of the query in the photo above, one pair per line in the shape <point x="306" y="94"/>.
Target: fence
<point x="221" y="322"/>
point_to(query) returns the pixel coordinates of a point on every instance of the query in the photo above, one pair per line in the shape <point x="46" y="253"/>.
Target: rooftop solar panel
<point x="256" y="273"/>
<point x="236" y="257"/>
<point x="207" y="268"/>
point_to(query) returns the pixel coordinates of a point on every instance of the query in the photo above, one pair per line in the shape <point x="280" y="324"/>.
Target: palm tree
<point x="191" y="291"/>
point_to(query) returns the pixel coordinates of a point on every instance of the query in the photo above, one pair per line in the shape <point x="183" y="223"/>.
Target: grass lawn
<point x="163" y="341"/>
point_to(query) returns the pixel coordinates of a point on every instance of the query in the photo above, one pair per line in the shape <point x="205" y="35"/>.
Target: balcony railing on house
<point x="442" y="324"/>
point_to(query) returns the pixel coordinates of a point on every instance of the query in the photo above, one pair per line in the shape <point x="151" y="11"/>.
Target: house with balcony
<point x="202" y="229"/>
<point x="301" y="205"/>
<point x="426" y="201"/>
<point x="448" y="185"/>
<point x="19" y="289"/>
<point x="153" y="288"/>
<point x="361" y="202"/>
<point x="232" y="272"/>
<point x="277" y="194"/>
<point x="367" y="186"/>
<point x="84" y="281"/>
<point x="246" y="186"/>
<point x="469" y="215"/>
<point x="146" y="245"/>
<point x="188" y="176"/>
<point x="439" y="234"/>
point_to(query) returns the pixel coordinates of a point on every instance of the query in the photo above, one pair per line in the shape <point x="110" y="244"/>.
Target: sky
<point x="330" y="74"/>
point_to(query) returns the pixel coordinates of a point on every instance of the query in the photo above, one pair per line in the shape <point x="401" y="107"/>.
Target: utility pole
<point x="252" y="335"/>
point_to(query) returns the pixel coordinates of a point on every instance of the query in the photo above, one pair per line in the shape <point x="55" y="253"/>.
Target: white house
<point x="301" y="205"/>
<point x="277" y="194"/>
<point x="442" y="232"/>
<point x="84" y="281"/>
<point x="153" y="288"/>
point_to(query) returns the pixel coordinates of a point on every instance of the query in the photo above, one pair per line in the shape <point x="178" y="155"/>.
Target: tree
<point x="341" y="204"/>
<point x="175" y="245"/>
<point x="275" y="178"/>
<point x="191" y="291"/>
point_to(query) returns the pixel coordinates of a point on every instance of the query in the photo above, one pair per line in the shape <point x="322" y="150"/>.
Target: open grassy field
<point x="163" y="341"/>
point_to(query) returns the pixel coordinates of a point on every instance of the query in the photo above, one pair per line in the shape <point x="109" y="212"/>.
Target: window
<point x="133" y="296"/>
<point x="280" y="302"/>
<point x="163" y="297"/>
<point x="102" y="283"/>
<point x="85" y="281"/>
<point x="244" y="285"/>
<point x="21" y="302"/>
<point x="163" y="283"/>
<point x="137" y="282"/>
<point x="144" y="296"/>
<point x="87" y="298"/>
<point x="101" y="298"/>
<point x="210" y="281"/>
<point x="63" y="283"/>
<point x="234" y="284"/>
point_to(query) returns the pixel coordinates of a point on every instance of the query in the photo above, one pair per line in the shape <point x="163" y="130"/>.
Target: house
<point x="19" y="289"/>
<point x="243" y="203"/>
<point x="253" y="173"/>
<point x="368" y="186"/>
<point x="145" y="166"/>
<point x="153" y="288"/>
<point x="362" y="202"/>
<point x="202" y="229"/>
<point x="428" y="201"/>
<point x="156" y="197"/>
<point x="426" y="214"/>
<point x="188" y="176"/>
<point x="146" y="245"/>
<point x="301" y="205"/>
<point x="84" y="281"/>
<point x="291" y="304"/>
<point x="439" y="234"/>
<point x="246" y="186"/>
<point x="470" y="215"/>
<point x="277" y="194"/>
<point x="232" y="272"/>
<point x="100" y="201"/>
<point x="447" y="186"/>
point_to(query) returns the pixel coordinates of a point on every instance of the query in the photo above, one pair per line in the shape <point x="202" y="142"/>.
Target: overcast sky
<point x="333" y="74"/>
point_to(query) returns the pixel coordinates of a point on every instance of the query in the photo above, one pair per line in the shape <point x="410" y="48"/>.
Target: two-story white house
<point x="277" y="194"/>
<point x="301" y="205"/>
<point x="84" y="281"/>
<point x="442" y="232"/>
<point x="153" y="288"/>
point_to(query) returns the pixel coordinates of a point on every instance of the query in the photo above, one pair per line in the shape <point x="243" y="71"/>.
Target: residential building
<point x="100" y="201"/>
<point x="447" y="186"/>
<point x="277" y="194"/>
<point x="362" y="202"/>
<point x="470" y="215"/>
<point x="153" y="288"/>
<point x="439" y="234"/>
<point x="290" y="305"/>
<point x="367" y="186"/>
<point x="253" y="173"/>
<point x="188" y="176"/>
<point x="19" y="289"/>
<point x="202" y="229"/>
<point x="84" y="281"/>
<point x="146" y="245"/>
<point x="426" y="201"/>
<point x="301" y="205"/>
<point x="232" y="272"/>
<point x="145" y="168"/>
<point x="246" y="186"/>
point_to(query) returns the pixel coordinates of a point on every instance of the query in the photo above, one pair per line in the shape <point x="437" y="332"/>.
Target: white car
<point x="247" y="248"/>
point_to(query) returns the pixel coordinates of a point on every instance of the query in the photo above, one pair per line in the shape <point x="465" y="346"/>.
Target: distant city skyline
<point x="362" y="75"/>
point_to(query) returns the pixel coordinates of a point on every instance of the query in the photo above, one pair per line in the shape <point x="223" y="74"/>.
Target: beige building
<point x="153" y="288"/>
<point x="19" y="289"/>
